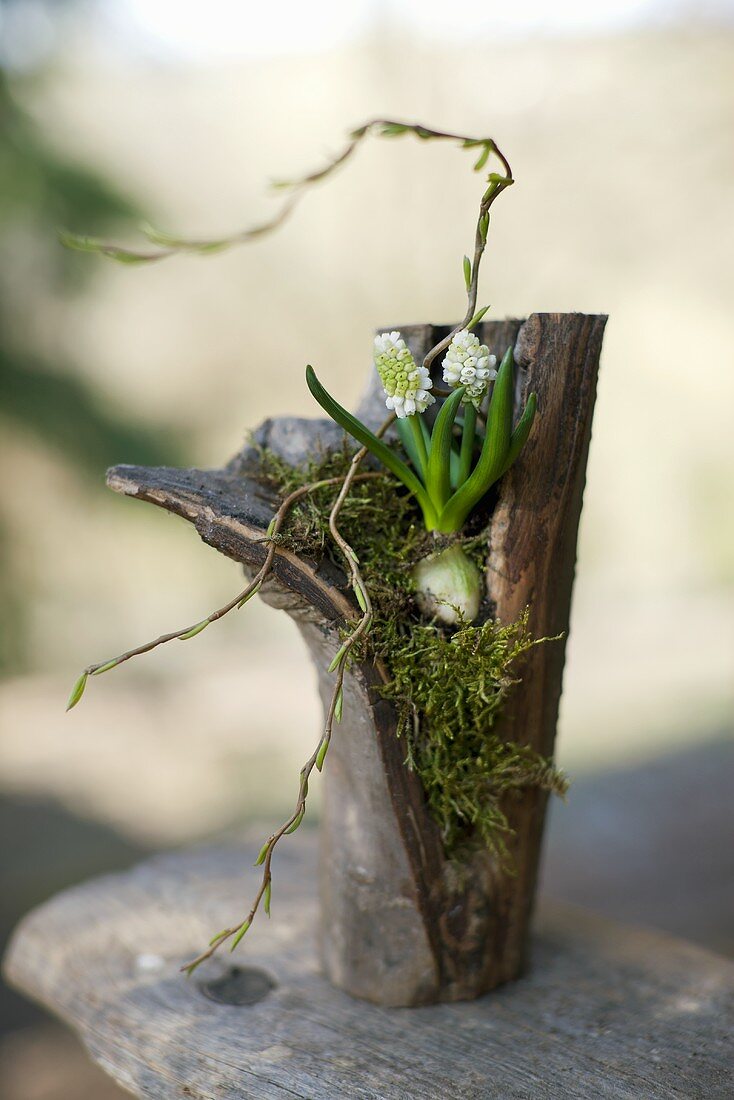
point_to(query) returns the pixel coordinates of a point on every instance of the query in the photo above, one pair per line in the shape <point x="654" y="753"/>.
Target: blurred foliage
<point x="69" y="416"/>
<point x="35" y="178"/>
<point x="39" y="192"/>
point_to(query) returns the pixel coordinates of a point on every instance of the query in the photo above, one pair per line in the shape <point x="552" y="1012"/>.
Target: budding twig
<point x="472" y="317"/>
<point x="239" y="600"/>
<point x="174" y="246"/>
<point x="168" y="246"/>
<point x="316" y="759"/>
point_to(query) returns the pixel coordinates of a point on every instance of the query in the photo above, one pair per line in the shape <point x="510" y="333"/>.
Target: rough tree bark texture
<point x="401" y="924"/>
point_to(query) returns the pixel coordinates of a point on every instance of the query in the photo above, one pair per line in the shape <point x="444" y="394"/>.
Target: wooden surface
<point x="443" y="935"/>
<point x="607" y="1010"/>
<point x="531" y="562"/>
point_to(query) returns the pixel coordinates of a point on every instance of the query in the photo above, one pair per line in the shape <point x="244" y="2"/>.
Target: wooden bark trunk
<point x="401" y="924"/>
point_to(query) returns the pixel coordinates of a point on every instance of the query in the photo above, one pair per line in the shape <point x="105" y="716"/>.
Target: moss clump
<point x="448" y="691"/>
<point x="378" y="519"/>
<point x="447" y="686"/>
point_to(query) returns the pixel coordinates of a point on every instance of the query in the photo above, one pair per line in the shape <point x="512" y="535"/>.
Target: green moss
<point x="447" y="686"/>
<point x="448" y="690"/>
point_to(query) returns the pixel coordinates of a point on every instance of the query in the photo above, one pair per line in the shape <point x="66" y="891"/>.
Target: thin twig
<point x="239" y="600"/>
<point x="496" y="187"/>
<point x="173" y="246"/>
<point x="316" y="759"/>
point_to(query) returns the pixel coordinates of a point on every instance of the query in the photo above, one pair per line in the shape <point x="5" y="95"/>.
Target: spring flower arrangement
<point x="448" y="438"/>
<point x="447" y="480"/>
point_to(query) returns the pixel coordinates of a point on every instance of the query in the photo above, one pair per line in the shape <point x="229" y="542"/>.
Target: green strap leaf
<point x="416" y="440"/>
<point x="493" y="455"/>
<point x="468" y="435"/>
<point x="521" y="432"/>
<point x="454" y="468"/>
<point x="499" y="419"/>
<point x="424" y="432"/>
<point x="368" y="439"/>
<point x="406" y="437"/>
<point x="438" y="473"/>
<point x="422" y="441"/>
<point x="478" y="430"/>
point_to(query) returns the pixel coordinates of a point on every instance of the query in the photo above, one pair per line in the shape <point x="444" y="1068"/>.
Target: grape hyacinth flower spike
<point x="447" y="480"/>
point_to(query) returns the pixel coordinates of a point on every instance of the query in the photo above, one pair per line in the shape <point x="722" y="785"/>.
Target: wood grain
<point x="609" y="1012"/>
<point x="531" y="563"/>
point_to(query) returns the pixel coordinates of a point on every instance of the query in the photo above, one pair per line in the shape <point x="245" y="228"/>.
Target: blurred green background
<point x="618" y="123"/>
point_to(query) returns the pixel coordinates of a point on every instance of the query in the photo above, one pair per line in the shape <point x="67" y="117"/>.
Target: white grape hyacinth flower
<point x="406" y="384"/>
<point x="468" y="363"/>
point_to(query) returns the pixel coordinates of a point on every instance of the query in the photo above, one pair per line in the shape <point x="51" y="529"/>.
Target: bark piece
<point x="403" y="925"/>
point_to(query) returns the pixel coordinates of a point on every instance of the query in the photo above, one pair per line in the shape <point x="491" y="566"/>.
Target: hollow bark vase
<point x="401" y="923"/>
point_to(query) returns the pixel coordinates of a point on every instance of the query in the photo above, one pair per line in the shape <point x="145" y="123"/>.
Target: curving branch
<point x="167" y="245"/>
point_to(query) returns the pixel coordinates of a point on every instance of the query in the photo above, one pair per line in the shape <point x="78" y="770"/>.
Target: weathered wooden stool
<point x="605" y="1012"/>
